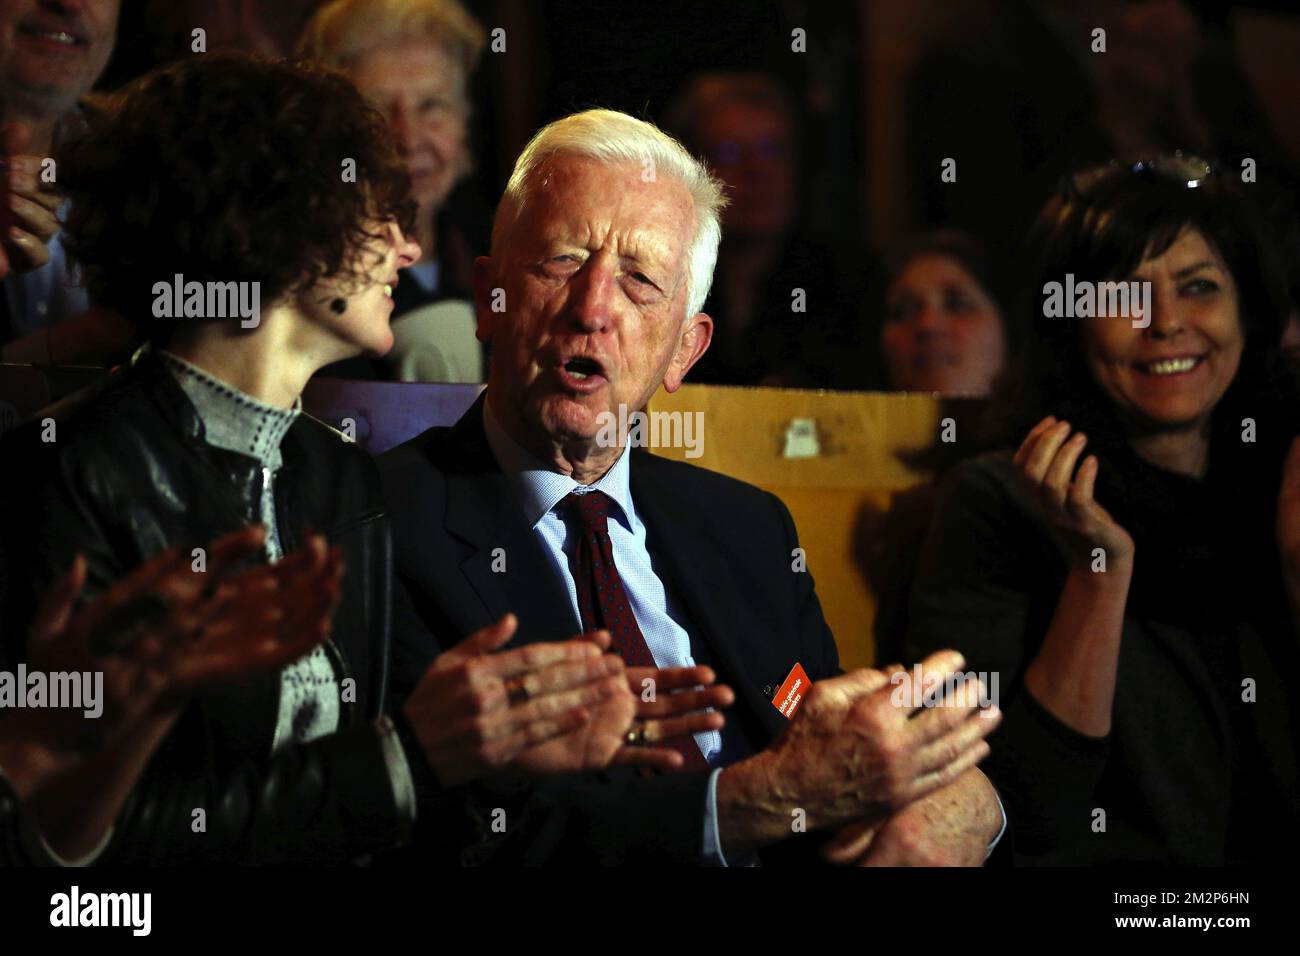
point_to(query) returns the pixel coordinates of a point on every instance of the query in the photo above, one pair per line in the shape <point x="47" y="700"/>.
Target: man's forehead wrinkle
<point x="638" y="241"/>
<point x="649" y="224"/>
<point x="567" y="231"/>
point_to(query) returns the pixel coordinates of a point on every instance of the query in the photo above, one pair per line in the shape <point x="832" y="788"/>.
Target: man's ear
<point x="484" y="276"/>
<point x="694" y="343"/>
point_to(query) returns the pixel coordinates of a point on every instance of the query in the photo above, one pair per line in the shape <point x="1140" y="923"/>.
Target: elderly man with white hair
<point x="602" y="253"/>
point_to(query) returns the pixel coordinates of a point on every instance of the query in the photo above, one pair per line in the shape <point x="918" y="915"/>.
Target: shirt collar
<point x="232" y="419"/>
<point x="539" y="487"/>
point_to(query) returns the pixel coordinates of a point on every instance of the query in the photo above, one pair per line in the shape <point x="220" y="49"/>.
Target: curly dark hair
<point x="227" y="167"/>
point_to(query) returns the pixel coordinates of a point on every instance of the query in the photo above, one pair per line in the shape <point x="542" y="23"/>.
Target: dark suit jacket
<point x="723" y="549"/>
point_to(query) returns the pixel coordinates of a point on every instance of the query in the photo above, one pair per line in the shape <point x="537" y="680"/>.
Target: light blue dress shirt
<point x="45" y="296"/>
<point x="539" y="489"/>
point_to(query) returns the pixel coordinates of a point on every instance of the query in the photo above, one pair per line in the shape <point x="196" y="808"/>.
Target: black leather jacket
<point x="127" y="474"/>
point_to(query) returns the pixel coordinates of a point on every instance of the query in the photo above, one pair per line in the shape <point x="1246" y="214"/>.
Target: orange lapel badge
<point x="792" y="692"/>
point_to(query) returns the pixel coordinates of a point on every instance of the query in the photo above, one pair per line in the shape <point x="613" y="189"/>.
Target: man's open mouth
<point x="581" y="373"/>
<point x="583" y="368"/>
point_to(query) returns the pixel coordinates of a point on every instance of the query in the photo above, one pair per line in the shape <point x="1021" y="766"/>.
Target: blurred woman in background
<point x="1132" y="570"/>
<point x="945" y="325"/>
<point x="413" y="60"/>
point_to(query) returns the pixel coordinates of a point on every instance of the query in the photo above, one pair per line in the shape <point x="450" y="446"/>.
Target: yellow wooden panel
<point x="827" y="520"/>
<point x="860" y="435"/>
<point x="862" y="442"/>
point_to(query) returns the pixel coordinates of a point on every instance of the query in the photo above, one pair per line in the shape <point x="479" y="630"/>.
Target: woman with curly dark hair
<point x="254" y="213"/>
<point x="1132" y="571"/>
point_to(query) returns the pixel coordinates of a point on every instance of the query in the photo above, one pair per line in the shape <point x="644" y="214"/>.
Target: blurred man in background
<point x="52" y="52"/>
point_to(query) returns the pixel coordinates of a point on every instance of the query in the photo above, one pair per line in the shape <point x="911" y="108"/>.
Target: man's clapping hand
<point x="860" y="747"/>
<point x="468" y="725"/>
<point x="952" y="826"/>
<point x="554" y="708"/>
<point x="678" y="708"/>
<point x="673" y="703"/>
<point x="28" y="218"/>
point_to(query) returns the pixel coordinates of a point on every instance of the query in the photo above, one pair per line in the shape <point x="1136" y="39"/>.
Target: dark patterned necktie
<point x="602" y="600"/>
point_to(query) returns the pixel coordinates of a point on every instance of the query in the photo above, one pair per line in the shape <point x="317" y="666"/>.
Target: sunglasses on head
<point x="1178" y="167"/>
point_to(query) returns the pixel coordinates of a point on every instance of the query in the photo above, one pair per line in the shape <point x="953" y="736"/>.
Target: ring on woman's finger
<point x="636" y="735"/>
<point x="517" y="691"/>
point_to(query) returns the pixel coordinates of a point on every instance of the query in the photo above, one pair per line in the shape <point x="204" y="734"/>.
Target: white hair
<point x="613" y="137"/>
<point x="343" y="31"/>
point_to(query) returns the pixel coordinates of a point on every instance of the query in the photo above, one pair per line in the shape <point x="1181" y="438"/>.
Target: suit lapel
<point x="502" y="560"/>
<point x="536" y="592"/>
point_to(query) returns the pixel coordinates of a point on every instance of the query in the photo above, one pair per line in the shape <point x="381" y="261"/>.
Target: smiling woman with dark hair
<point x="1123" y="570"/>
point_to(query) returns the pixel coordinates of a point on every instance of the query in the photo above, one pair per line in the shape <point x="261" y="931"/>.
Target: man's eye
<point x="560" y="265"/>
<point x="644" y="287"/>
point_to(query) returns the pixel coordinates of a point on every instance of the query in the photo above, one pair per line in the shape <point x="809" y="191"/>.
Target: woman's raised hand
<point x="1047" y="461"/>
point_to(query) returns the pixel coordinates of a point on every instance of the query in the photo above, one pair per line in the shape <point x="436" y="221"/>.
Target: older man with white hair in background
<point x="602" y="253"/>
